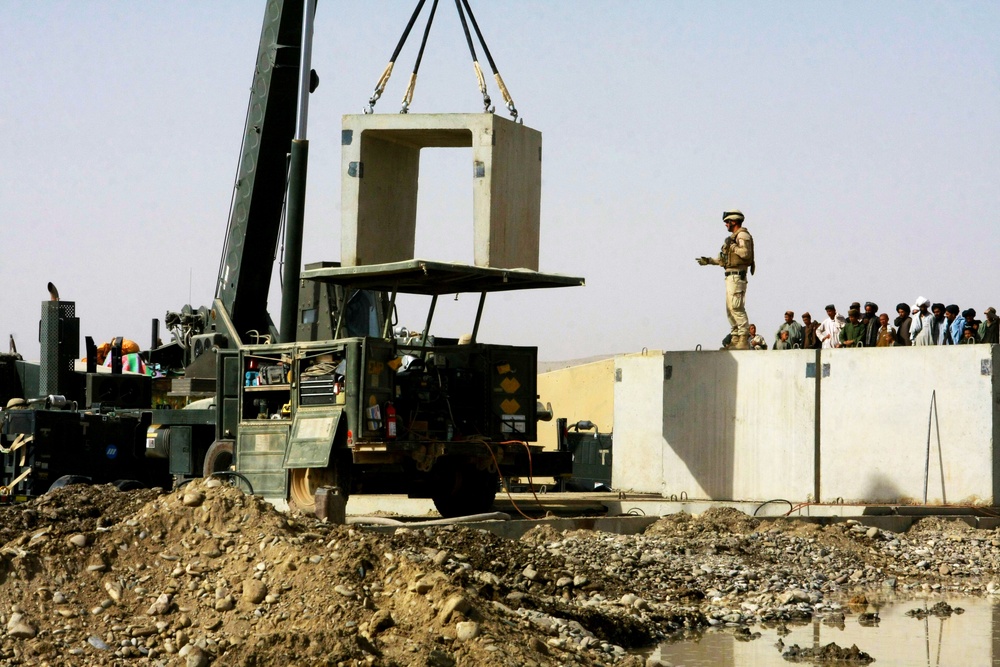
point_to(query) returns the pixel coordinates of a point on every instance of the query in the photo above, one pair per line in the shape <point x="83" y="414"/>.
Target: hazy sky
<point x="859" y="138"/>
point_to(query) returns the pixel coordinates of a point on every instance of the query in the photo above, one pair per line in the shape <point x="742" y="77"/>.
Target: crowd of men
<point x="923" y="323"/>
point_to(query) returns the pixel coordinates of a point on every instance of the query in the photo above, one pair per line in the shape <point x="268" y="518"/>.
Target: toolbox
<point x="318" y="390"/>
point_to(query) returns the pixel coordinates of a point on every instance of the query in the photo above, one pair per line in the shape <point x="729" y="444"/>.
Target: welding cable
<point x="384" y="79"/>
<point x="775" y="500"/>
<point x="506" y="487"/>
<point x="258" y="337"/>
<point x="387" y="521"/>
<point x="321" y="368"/>
<point x="408" y="96"/>
<point x="798" y="507"/>
<point x="489" y="57"/>
<point x="234" y="479"/>
<point x="531" y="480"/>
<point x="987" y="512"/>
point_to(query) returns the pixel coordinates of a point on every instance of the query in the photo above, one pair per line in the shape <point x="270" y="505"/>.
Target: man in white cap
<point x="736" y="258"/>
<point x="921" y="312"/>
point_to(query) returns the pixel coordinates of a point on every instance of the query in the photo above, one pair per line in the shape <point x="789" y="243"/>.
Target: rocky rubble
<point x="827" y="654"/>
<point x="207" y="575"/>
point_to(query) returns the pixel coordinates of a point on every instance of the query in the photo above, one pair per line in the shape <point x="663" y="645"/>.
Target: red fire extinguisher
<point x="390" y="421"/>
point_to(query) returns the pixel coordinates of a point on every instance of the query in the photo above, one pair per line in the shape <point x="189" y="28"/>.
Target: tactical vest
<point x="730" y="259"/>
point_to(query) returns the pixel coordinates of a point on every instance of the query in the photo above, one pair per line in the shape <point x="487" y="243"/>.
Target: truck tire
<point x="128" y="484"/>
<point x="219" y="457"/>
<point x="67" y="480"/>
<point x="304" y="482"/>
<point x="460" y="488"/>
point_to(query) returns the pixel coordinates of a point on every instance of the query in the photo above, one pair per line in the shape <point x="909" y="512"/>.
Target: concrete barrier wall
<point x="749" y="425"/>
<point x="876" y="407"/>
<point x="734" y="426"/>
<point x="638" y="397"/>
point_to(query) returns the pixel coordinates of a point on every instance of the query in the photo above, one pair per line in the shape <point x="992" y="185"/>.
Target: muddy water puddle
<point x="967" y="639"/>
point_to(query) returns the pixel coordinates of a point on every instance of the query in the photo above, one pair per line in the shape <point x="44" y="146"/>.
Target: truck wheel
<point x="218" y="458"/>
<point x="460" y="489"/>
<point x="304" y="482"/>
<point x="67" y="480"/>
<point x="128" y="484"/>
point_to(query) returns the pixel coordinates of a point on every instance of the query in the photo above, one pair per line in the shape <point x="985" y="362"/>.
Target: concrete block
<point x="715" y="425"/>
<point x="380" y="162"/>
<point x="876" y="408"/>
<point x="748" y="426"/>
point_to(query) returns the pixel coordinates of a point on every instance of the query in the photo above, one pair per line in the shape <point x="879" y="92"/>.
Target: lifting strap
<point x="408" y="96"/>
<point x="508" y="100"/>
<point x="384" y="79"/>
<point x="19" y="441"/>
<point x="475" y="59"/>
<point x="480" y="79"/>
<point x="6" y="490"/>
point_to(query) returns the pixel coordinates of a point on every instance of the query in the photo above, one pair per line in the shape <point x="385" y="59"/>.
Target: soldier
<point x="736" y="258"/>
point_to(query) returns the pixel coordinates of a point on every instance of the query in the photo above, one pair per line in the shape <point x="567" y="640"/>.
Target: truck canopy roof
<point x="421" y="276"/>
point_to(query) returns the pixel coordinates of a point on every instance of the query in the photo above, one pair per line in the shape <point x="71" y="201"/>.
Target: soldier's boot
<point x="740" y="342"/>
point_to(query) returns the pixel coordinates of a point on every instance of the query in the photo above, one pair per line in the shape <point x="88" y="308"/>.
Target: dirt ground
<point x="206" y="575"/>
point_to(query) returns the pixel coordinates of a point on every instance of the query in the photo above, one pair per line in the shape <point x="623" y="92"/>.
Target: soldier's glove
<point x="702" y="260"/>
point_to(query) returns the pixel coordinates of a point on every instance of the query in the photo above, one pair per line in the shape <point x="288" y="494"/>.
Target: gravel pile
<point x="206" y="575"/>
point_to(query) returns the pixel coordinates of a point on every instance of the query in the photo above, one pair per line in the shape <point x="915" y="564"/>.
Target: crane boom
<point x="254" y="223"/>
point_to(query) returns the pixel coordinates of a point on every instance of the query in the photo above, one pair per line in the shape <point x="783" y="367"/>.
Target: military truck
<point x="371" y="411"/>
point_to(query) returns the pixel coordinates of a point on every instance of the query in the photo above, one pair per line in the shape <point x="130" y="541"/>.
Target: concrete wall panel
<point x="738" y="426"/>
<point x="510" y="218"/>
<point x="638" y="437"/>
<point x="386" y="197"/>
<point x="743" y="425"/>
<point x="876" y="406"/>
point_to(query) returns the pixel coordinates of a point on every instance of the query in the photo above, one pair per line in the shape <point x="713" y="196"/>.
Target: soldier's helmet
<point x="732" y="214"/>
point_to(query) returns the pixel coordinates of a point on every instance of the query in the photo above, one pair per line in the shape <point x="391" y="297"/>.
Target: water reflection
<point x="969" y="639"/>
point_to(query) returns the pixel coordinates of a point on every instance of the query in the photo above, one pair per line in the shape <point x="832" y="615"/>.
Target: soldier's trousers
<point x="736" y="311"/>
